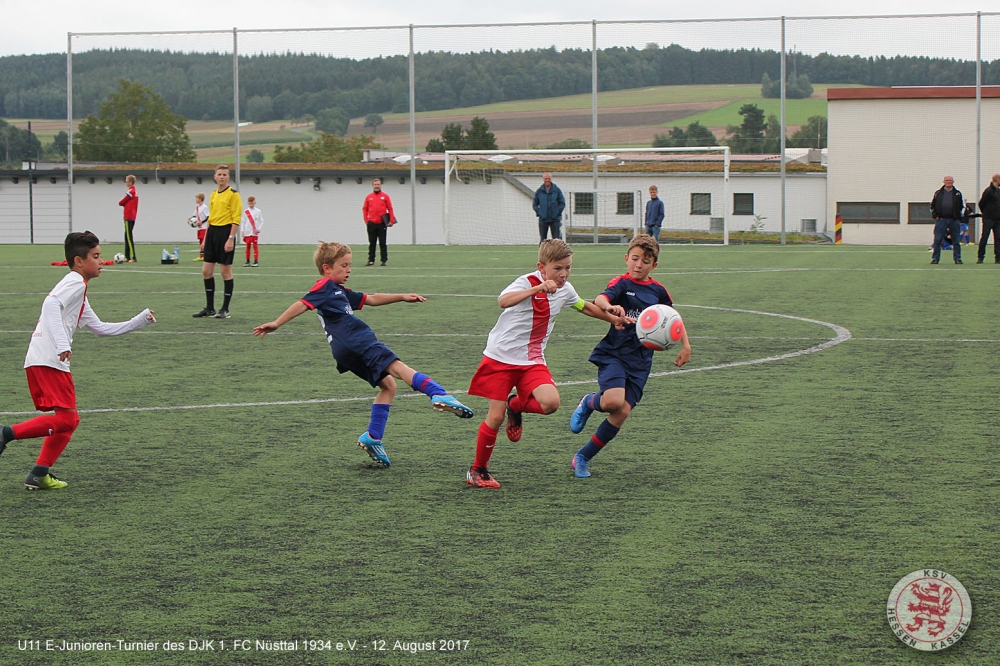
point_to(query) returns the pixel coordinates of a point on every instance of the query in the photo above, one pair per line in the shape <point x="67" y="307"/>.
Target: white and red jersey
<point x="253" y="218"/>
<point x="64" y="310"/>
<point x="201" y="212"/>
<point x="522" y="331"/>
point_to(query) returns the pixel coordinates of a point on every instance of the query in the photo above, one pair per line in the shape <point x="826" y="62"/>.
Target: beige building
<point x="890" y="149"/>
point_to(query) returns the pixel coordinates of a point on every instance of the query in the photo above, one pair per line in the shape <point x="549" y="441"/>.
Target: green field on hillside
<point x="620" y="98"/>
<point x="757" y="508"/>
<point x="797" y="112"/>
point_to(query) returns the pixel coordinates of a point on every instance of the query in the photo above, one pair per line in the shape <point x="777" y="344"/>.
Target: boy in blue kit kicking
<point x="355" y="346"/>
<point x="623" y="364"/>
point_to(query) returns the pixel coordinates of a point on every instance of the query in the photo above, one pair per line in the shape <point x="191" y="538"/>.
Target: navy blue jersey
<point x="634" y="297"/>
<point x="335" y="304"/>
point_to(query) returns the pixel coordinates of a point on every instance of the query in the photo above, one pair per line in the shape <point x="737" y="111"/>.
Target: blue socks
<point x="376" y="427"/>
<point x="427" y="386"/>
<point x="593" y="400"/>
<point x="605" y="433"/>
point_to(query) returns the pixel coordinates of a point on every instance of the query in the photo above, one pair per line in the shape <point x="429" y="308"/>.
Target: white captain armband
<point x="580" y="304"/>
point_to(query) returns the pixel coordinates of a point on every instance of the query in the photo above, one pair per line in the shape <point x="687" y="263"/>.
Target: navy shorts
<point x="370" y="363"/>
<point x="613" y="373"/>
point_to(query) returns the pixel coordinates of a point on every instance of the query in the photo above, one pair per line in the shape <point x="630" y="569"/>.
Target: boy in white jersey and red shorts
<point x="253" y="220"/>
<point x="514" y="355"/>
<point x="47" y="363"/>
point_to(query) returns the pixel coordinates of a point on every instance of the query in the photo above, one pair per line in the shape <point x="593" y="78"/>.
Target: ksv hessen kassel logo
<point x="929" y="610"/>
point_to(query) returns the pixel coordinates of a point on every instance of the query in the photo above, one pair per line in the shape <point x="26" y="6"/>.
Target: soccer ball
<point x="193" y="222"/>
<point x="119" y="258"/>
<point x="659" y="327"/>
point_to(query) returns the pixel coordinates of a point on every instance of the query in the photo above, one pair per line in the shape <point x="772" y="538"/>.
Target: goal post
<point x="488" y="194"/>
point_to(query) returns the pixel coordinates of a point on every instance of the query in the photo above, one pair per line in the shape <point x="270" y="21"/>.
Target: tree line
<point x="291" y="86"/>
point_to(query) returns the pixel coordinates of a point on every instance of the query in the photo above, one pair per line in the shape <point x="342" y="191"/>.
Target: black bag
<point x="385" y="218"/>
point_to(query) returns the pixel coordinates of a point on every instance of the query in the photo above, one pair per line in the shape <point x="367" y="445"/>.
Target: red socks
<point x="57" y="429"/>
<point x="52" y="448"/>
<point x="64" y="420"/>
<point x="529" y="405"/>
<point x="485" y="442"/>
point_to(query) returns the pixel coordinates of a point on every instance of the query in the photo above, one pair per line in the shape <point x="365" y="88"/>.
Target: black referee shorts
<point x="215" y="245"/>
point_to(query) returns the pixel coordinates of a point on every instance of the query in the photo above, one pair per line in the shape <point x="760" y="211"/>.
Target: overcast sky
<point x="42" y="28"/>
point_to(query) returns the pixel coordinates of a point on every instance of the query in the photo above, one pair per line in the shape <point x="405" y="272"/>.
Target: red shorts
<point x="50" y="388"/>
<point x="494" y="380"/>
<point x="249" y="239"/>
<point x="201" y="234"/>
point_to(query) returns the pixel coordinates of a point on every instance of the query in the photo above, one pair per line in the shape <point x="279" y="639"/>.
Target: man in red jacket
<point x="130" y="202"/>
<point x="378" y="216"/>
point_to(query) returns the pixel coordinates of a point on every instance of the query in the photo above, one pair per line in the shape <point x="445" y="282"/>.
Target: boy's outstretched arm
<point x="615" y="314"/>
<point x="293" y="311"/>
<point x="90" y="320"/>
<point x="385" y="299"/>
<point x="685" y="353"/>
<point x="602" y="302"/>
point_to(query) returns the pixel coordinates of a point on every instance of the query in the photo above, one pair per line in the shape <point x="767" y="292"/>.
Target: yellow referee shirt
<point x="224" y="208"/>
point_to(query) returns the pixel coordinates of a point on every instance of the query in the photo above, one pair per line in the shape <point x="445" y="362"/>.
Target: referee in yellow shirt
<point x="224" y="210"/>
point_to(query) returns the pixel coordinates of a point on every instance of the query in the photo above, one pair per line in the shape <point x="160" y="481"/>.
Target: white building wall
<point x="296" y="213"/>
<point x="899" y="150"/>
<point x="293" y="212"/>
<point x="47" y="207"/>
<point x="806" y="196"/>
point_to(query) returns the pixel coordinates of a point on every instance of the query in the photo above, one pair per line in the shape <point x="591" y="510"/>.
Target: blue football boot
<point x="374" y="449"/>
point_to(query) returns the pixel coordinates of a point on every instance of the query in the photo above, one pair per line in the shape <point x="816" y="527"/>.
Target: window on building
<point x="919" y="213"/>
<point x="701" y="204"/>
<point x="583" y="203"/>
<point x="626" y="203"/>
<point x="868" y="212"/>
<point x="743" y="204"/>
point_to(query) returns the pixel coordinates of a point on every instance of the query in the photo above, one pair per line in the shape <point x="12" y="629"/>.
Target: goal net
<point x="488" y="194"/>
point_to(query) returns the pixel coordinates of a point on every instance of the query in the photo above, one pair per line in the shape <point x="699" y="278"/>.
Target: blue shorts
<point x="613" y="373"/>
<point x="370" y="363"/>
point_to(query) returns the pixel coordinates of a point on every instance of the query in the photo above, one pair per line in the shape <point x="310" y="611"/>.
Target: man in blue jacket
<point x="654" y="213"/>
<point x="947" y="209"/>
<point x="549" y="205"/>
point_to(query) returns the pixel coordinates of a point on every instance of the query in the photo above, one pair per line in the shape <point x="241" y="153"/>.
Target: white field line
<point x="841" y="335"/>
<point x="568" y="336"/>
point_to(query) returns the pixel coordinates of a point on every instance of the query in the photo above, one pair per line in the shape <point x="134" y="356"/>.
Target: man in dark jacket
<point x="989" y="206"/>
<point x="549" y="205"/>
<point x="947" y="209"/>
<point x="654" y="213"/>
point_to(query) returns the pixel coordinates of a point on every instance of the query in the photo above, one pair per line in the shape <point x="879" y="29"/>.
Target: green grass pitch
<point x="755" y="513"/>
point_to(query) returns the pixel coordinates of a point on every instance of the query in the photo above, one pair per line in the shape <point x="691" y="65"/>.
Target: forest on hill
<point x="290" y="86"/>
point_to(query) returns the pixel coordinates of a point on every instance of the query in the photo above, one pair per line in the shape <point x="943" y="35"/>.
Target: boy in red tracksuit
<point x="130" y="202"/>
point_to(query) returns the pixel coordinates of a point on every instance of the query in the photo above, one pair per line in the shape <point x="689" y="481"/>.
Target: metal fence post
<point x="413" y="148"/>
<point x="782" y="143"/>
<point x="236" y="104"/>
<point x="979" y="115"/>
<point x="593" y="112"/>
<point x="69" y="128"/>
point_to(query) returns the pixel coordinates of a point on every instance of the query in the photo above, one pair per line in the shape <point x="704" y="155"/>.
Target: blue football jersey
<point x="335" y="304"/>
<point x="634" y="297"/>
